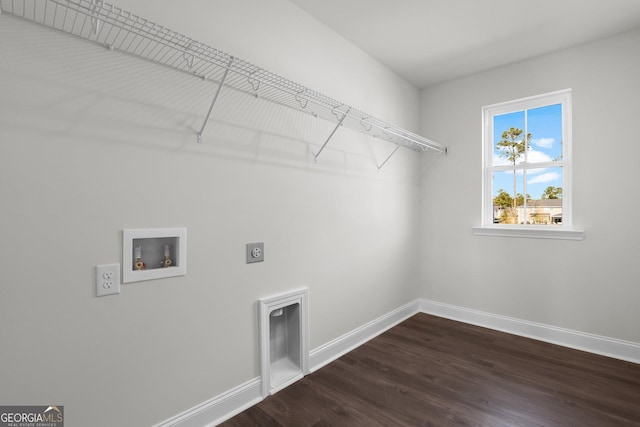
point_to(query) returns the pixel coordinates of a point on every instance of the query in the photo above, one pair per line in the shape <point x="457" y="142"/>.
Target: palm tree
<point x="510" y="147"/>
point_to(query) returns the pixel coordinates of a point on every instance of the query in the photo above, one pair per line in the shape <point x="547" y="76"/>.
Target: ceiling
<point x="431" y="41"/>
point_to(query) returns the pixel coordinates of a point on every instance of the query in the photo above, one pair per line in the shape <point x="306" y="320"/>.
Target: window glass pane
<point x="525" y="161"/>
<point x="545" y="126"/>
<point x="508" y="138"/>
<point x="508" y="197"/>
<point x="544" y="185"/>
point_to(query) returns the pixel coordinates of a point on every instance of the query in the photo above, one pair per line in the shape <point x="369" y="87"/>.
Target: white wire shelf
<point x="120" y="30"/>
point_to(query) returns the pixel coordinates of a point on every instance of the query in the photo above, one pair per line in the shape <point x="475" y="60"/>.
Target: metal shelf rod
<point x="331" y="134"/>
<point x="213" y="102"/>
<point x="389" y="157"/>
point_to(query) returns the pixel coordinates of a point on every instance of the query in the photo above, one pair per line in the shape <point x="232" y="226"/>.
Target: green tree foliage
<point x="512" y="146"/>
<point x="503" y="199"/>
<point x="520" y="199"/>
<point x="552" y="192"/>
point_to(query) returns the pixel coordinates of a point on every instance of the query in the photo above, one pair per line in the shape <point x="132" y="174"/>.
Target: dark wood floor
<point x="430" y="371"/>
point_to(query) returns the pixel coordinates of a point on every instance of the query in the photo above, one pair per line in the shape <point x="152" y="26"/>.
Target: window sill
<point x="529" y="232"/>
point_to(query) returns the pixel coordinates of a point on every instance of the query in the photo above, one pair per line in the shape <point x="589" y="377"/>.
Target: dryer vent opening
<point x="283" y="335"/>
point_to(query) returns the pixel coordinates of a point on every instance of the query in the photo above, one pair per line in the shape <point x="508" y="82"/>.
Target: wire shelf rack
<point x="120" y="30"/>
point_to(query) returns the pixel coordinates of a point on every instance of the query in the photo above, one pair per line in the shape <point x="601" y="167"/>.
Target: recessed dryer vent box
<point x="153" y="253"/>
<point x="284" y="343"/>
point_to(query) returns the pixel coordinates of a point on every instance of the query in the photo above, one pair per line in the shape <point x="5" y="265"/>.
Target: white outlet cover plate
<point x="107" y="279"/>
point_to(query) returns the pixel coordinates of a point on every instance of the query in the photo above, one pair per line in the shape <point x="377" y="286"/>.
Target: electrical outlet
<point x="255" y="252"/>
<point x="107" y="279"/>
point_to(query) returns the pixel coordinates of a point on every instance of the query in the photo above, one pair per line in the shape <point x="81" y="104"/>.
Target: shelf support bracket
<point x="255" y="84"/>
<point x="215" y="98"/>
<point x="302" y="101"/>
<point x="188" y="57"/>
<point x="388" y="157"/>
<point x="341" y="119"/>
<point x="366" y="125"/>
<point x="95" y="21"/>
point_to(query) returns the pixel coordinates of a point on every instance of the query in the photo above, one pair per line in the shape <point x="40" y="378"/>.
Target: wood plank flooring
<point x="430" y="371"/>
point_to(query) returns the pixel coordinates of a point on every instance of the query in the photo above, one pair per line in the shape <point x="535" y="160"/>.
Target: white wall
<point x="588" y="286"/>
<point x="93" y="141"/>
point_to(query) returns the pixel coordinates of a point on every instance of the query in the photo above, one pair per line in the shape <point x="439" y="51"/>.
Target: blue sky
<point x="545" y="126"/>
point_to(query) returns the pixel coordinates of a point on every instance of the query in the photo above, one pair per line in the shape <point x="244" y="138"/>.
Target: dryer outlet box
<point x="255" y="252"/>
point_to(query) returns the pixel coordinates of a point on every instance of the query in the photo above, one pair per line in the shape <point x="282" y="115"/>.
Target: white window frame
<point x="488" y="228"/>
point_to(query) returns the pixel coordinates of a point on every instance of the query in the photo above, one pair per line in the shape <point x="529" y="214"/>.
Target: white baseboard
<point x="611" y="347"/>
<point x="220" y="408"/>
<point x="332" y="350"/>
<point x="234" y="401"/>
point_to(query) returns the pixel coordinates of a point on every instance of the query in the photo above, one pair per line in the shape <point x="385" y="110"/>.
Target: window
<point x="527" y="168"/>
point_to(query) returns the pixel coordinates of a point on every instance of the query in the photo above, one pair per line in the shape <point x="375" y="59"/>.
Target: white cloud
<point x="533" y="156"/>
<point x="543" y="142"/>
<point x="500" y="161"/>
<point x="545" y="177"/>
